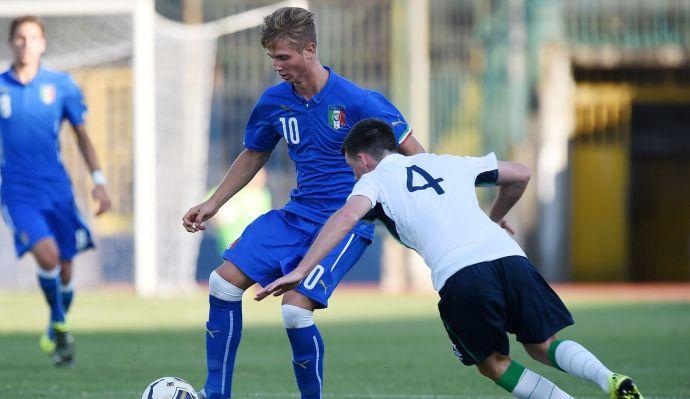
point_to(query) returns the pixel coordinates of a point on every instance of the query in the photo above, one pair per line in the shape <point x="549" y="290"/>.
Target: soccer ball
<point x="169" y="388"/>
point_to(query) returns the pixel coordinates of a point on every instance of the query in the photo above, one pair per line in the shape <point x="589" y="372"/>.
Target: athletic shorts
<point x="481" y="303"/>
<point x="61" y="221"/>
<point x="273" y="245"/>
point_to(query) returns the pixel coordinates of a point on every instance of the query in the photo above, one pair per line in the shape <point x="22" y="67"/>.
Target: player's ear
<point x="309" y="51"/>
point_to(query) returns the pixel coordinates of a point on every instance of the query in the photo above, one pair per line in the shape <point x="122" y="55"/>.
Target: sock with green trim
<point x="575" y="360"/>
<point x="524" y="383"/>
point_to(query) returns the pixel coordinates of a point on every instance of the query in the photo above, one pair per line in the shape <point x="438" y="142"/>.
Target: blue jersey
<point x="30" y="119"/>
<point x="314" y="131"/>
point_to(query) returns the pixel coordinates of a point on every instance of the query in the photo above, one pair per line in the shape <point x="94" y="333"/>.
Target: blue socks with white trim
<point x="307" y="360"/>
<point x="49" y="281"/>
<point x="223" y="334"/>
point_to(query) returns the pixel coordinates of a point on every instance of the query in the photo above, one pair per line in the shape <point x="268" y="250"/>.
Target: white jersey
<point x="432" y="201"/>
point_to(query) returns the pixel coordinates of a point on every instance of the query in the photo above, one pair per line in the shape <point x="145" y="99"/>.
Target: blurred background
<point x="593" y="95"/>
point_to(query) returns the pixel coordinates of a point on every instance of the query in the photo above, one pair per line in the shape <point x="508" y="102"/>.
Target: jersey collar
<point x="324" y="90"/>
<point x="390" y="158"/>
<point x="10" y="74"/>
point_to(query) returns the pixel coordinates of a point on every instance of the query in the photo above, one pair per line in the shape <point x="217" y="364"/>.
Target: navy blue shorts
<point x="61" y="221"/>
<point x="481" y="303"/>
<point x="273" y="245"/>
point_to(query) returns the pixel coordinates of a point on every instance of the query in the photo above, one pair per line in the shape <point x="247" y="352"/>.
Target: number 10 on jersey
<point x="290" y="130"/>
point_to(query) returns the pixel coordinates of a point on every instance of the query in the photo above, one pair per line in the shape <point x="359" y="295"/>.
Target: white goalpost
<point x="172" y="82"/>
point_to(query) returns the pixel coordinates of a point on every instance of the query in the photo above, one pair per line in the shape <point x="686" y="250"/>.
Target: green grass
<point x="377" y="346"/>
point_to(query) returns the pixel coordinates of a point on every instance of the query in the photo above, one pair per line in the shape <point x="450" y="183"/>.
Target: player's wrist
<point x="98" y="178"/>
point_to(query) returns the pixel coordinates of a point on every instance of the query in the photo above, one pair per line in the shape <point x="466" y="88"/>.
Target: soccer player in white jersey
<point x="488" y="287"/>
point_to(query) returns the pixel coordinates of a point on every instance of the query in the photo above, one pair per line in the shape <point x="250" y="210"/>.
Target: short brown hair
<point x="294" y="23"/>
<point x="17" y="22"/>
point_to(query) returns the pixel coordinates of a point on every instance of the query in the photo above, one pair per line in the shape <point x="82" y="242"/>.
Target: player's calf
<point x="518" y="380"/>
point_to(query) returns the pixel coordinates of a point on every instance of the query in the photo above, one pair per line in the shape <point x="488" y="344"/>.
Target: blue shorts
<point x="481" y="303"/>
<point x="273" y="244"/>
<point x="61" y="221"/>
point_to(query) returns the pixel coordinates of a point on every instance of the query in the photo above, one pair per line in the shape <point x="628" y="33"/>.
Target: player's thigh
<point x="232" y="274"/>
<point x="271" y="244"/>
<point x="473" y="312"/>
<point x="535" y="312"/>
<point x="69" y="229"/>
<point x="325" y="277"/>
<point x="28" y="224"/>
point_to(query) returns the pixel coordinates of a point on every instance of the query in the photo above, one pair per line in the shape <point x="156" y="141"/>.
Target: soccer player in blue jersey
<point x="36" y="196"/>
<point x="313" y="109"/>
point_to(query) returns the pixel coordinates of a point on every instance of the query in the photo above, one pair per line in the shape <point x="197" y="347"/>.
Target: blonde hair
<point x="294" y="23"/>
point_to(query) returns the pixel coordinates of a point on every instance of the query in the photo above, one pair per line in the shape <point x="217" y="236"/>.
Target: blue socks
<point x="223" y="333"/>
<point x="307" y="360"/>
<point x="67" y="295"/>
<point x="49" y="282"/>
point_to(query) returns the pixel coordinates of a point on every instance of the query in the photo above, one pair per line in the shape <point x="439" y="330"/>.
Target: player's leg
<point x="537" y="313"/>
<point x="299" y="304"/>
<point x="576" y="360"/>
<point x="474" y="312"/>
<point x="66" y="284"/>
<point x="518" y="380"/>
<point x="306" y="342"/>
<point x="254" y="257"/>
<point x="57" y="340"/>
<point x="226" y="285"/>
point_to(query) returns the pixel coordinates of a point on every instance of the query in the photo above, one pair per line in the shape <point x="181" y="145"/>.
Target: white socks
<point x="575" y="360"/>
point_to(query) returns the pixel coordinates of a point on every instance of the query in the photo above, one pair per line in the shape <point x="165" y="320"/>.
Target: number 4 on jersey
<point x="431" y="182"/>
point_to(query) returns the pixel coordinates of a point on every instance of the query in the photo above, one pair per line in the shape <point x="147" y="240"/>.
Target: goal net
<point x="148" y="82"/>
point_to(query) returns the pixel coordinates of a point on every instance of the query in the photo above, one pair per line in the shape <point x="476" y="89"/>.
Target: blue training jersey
<point x="314" y="131"/>
<point x="30" y="119"/>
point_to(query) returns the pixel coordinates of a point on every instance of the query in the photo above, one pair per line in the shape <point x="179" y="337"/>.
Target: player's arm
<point x="88" y="151"/>
<point x="411" y="146"/>
<point x="512" y="181"/>
<point x="333" y="232"/>
<point x="246" y="165"/>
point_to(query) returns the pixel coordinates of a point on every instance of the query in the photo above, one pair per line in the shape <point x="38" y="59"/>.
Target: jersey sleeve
<point x="74" y="106"/>
<point x="367" y="187"/>
<point x="485" y="169"/>
<point x="377" y="106"/>
<point x="259" y="135"/>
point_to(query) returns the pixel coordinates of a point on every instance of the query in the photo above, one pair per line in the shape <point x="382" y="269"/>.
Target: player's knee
<point x="47" y="256"/>
<point x="220" y="288"/>
<point x="494" y="366"/>
<point x="296" y="317"/>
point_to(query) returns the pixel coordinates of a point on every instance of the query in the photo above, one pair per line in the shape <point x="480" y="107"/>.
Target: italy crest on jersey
<point x="47" y="94"/>
<point x="336" y="116"/>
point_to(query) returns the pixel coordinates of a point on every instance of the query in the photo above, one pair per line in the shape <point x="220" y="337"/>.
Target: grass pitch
<point x="377" y="347"/>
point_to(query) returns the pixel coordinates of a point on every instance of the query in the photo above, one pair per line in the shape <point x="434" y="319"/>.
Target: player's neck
<point x="314" y="80"/>
<point x="25" y="72"/>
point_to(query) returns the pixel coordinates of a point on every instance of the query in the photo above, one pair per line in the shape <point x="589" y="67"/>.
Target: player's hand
<point x="194" y="219"/>
<point x="507" y="227"/>
<point x="99" y="194"/>
<point x="280" y="286"/>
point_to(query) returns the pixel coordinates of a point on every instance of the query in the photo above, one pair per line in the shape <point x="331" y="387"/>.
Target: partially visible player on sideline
<point x="313" y="109"/>
<point x="486" y="283"/>
<point x="37" y="200"/>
